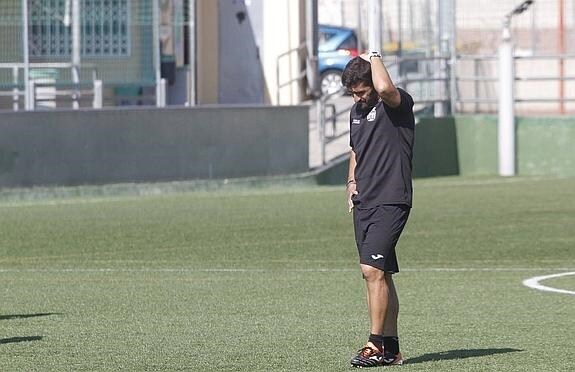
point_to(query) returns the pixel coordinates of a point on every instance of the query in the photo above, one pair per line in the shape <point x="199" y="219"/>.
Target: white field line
<point x="534" y="283"/>
<point x="255" y="270"/>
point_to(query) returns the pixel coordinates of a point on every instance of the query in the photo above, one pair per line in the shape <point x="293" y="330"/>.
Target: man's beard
<point x="372" y="99"/>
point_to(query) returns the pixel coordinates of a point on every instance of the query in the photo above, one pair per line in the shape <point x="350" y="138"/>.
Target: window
<point x="104" y="32"/>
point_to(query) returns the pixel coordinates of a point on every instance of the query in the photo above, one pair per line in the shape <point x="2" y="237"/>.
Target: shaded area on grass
<point x="459" y="354"/>
<point x="24" y="316"/>
<point x="12" y="340"/>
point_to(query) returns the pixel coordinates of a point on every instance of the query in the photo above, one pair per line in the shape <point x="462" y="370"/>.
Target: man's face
<point x="364" y="95"/>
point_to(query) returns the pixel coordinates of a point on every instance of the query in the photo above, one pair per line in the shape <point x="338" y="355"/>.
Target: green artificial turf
<point x="267" y="280"/>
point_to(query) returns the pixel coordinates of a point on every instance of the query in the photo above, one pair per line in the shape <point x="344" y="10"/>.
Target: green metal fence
<point x="117" y="45"/>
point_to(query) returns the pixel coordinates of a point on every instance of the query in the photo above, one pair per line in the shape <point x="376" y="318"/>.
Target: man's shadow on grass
<point x="24" y="316"/>
<point x="459" y="354"/>
<point x="13" y="340"/>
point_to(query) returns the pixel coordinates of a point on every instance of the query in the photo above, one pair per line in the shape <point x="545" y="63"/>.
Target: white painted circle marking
<point x="534" y="283"/>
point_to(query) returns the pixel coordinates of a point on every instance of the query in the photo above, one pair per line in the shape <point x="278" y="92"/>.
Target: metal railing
<point x="28" y="90"/>
<point x="46" y="89"/>
<point x="291" y="79"/>
<point x="481" y="80"/>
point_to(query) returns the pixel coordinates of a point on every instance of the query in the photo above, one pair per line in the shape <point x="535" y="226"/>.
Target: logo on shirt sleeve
<point x="371" y="115"/>
<point x="356" y="121"/>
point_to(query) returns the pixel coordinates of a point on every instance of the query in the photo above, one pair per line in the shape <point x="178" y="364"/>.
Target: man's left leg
<point x="392" y="355"/>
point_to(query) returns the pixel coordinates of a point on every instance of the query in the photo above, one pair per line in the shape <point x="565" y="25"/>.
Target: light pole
<point x="28" y="86"/>
<point x="374" y="24"/>
<point x="506" y="119"/>
<point x="76" y="52"/>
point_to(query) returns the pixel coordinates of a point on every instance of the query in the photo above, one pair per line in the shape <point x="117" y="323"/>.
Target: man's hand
<point x="351" y="190"/>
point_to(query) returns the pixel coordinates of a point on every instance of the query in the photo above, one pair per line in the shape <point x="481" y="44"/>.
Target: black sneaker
<point x="367" y="357"/>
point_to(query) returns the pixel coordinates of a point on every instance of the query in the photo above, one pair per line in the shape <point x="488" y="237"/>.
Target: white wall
<point x="279" y="26"/>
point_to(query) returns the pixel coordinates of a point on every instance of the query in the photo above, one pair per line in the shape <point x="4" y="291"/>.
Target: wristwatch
<point x="373" y="54"/>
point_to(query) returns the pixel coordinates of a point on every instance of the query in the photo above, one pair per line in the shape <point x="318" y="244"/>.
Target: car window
<point x="349" y="43"/>
<point x="324" y="36"/>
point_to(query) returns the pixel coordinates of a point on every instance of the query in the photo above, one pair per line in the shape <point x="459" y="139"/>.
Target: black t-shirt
<point x="382" y="140"/>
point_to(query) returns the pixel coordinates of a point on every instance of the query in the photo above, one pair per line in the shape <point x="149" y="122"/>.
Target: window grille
<point x="105" y="28"/>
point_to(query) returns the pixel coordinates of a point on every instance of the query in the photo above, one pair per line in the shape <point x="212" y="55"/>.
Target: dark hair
<point x="356" y="71"/>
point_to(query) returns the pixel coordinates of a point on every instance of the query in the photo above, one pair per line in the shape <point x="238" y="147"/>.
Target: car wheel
<point x="330" y="82"/>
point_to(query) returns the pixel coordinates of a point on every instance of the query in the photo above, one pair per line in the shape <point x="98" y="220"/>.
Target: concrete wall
<point x="467" y="145"/>
<point x="147" y="145"/>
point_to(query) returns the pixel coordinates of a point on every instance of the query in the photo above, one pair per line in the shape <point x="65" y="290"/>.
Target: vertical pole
<point x="374" y="24"/>
<point x="440" y="106"/>
<point x="312" y="46"/>
<point x="76" y="49"/>
<point x="428" y="30"/>
<point x="446" y="19"/>
<point x="31" y="95"/>
<point x="156" y="49"/>
<point x="360" y="47"/>
<point x="162" y="93"/>
<point x="476" y="72"/>
<point x="453" y="59"/>
<point x="28" y="103"/>
<point x="192" y="52"/>
<point x="98" y="96"/>
<point x="506" y="125"/>
<point x="561" y="47"/>
<point x="399" y="32"/>
<point x="15" y="91"/>
<point x="320" y="114"/>
<point x="534" y="29"/>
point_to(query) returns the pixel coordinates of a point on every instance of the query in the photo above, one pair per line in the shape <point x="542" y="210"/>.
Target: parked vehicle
<point x="337" y="45"/>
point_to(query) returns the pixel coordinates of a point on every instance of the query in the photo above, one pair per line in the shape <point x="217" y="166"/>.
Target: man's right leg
<point x="377" y="296"/>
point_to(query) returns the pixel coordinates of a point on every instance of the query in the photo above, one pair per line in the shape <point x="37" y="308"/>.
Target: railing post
<point x="15" y="91"/>
<point x="319" y="104"/>
<point x="98" y="96"/>
<point x="30" y="96"/>
<point x="161" y="93"/>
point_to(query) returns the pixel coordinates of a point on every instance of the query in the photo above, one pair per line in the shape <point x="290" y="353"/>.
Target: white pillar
<point x="506" y="124"/>
<point x="76" y="50"/>
<point x="98" y="96"/>
<point x="30" y="95"/>
<point x="156" y="51"/>
<point x="161" y="100"/>
<point x="374" y="24"/>
<point x="446" y="49"/>
<point x="28" y="103"/>
<point x="15" y="91"/>
<point x="192" y="54"/>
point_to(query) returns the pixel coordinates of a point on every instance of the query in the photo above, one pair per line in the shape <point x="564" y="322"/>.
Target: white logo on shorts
<point x="376" y="257"/>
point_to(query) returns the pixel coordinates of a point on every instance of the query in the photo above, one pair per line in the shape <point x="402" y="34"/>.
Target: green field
<point x="267" y="280"/>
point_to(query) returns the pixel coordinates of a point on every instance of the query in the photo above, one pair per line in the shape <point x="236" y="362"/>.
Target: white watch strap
<point x="374" y="54"/>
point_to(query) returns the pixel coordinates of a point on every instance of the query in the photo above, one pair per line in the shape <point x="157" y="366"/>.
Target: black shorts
<point x="377" y="231"/>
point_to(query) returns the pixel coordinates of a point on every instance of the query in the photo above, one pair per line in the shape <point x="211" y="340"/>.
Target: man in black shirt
<point x="379" y="192"/>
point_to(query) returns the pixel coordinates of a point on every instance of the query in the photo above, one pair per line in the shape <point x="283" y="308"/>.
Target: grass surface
<point x="267" y="280"/>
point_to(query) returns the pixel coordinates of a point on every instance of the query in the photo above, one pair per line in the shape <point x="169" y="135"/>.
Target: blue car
<point x="337" y="45"/>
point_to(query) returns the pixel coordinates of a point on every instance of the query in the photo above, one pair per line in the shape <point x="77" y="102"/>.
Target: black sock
<point x="391" y="344"/>
<point x="377" y="340"/>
